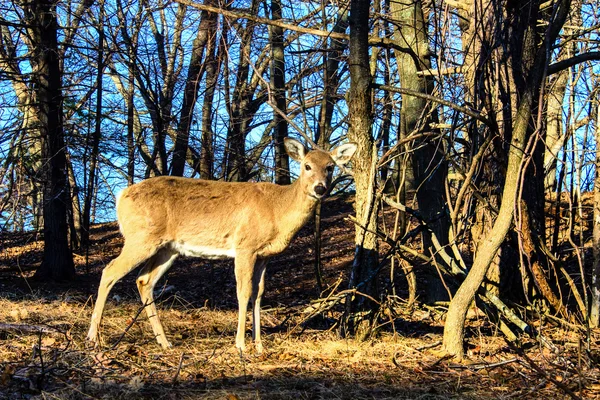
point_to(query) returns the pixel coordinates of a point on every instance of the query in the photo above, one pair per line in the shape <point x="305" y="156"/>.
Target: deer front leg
<point x="258" y="287"/>
<point x="244" y="271"/>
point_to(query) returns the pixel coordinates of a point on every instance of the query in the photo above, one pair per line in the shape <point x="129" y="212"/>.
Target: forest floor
<point x="44" y="354"/>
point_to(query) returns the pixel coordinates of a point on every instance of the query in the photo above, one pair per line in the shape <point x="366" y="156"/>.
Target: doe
<point x="163" y="217"/>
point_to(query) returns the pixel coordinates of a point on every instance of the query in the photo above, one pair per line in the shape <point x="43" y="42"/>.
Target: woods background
<point x="476" y="121"/>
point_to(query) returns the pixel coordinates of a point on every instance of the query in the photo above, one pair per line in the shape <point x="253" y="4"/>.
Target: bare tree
<point x="535" y="60"/>
<point x="427" y="167"/>
<point x="359" y="312"/>
<point x="201" y="52"/>
<point x="595" y="285"/>
<point x="280" y="130"/>
<point x="97" y="133"/>
<point x="42" y="23"/>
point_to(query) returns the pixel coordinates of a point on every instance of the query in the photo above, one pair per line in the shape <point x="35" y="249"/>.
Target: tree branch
<point x="471" y="113"/>
<point x="241" y="13"/>
<point x="578" y="59"/>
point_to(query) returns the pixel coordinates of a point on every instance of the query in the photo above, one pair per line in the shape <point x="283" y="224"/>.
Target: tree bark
<point x="554" y="129"/>
<point x="358" y="317"/>
<point x="280" y="130"/>
<point x="455" y="321"/>
<point x="57" y="261"/>
<point x="427" y="161"/>
<point x="331" y="80"/>
<point x="243" y="105"/>
<point x="213" y="62"/>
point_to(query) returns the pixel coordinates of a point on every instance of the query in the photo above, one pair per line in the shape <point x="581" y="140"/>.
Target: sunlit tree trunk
<point x="57" y="261"/>
<point x="486" y="86"/>
<point x="129" y="95"/>
<point x="213" y="62"/>
<point x="428" y="165"/>
<point x="28" y="154"/>
<point x="533" y="59"/>
<point x="243" y="103"/>
<point x="358" y="316"/>
<point x="554" y="127"/>
<point x="74" y="213"/>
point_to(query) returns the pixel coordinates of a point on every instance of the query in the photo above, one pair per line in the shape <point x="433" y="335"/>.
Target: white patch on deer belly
<point x="203" y="251"/>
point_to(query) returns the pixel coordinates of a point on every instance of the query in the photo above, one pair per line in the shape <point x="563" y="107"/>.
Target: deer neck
<point x="297" y="206"/>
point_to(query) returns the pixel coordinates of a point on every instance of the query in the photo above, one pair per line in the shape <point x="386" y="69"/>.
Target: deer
<point x="163" y="217"/>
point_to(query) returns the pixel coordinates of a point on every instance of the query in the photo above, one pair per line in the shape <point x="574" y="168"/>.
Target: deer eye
<point x="307" y="167"/>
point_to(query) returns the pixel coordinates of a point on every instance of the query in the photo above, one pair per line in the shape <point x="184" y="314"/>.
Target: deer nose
<point x="320" y="190"/>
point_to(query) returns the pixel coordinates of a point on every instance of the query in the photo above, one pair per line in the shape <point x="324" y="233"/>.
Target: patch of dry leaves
<point x="43" y="352"/>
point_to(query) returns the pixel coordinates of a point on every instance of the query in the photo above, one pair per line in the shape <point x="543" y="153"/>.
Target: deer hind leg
<point x="132" y="255"/>
<point x="146" y="280"/>
<point x="258" y="287"/>
<point x="244" y="269"/>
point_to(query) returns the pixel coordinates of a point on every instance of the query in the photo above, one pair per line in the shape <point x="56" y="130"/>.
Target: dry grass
<point x="203" y="363"/>
<point x="43" y="353"/>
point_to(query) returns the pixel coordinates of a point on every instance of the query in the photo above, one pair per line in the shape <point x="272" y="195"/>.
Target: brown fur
<point x="166" y="216"/>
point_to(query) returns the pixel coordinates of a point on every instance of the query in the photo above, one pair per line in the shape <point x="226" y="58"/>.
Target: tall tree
<point x="359" y="313"/>
<point x="213" y="60"/>
<point x="196" y="68"/>
<point x="246" y="98"/>
<point x="280" y="130"/>
<point x="595" y="287"/>
<point x="332" y="59"/>
<point x="534" y="61"/>
<point x="41" y="18"/>
<point x="428" y="168"/>
<point x="94" y="143"/>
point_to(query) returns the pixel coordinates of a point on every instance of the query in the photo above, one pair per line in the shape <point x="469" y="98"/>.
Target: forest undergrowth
<point x="44" y="354"/>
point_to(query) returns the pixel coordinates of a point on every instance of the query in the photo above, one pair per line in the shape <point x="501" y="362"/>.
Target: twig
<point x="467" y="111"/>
<point x="133" y="321"/>
<point x="37" y="350"/>
<point x="429" y="346"/>
<point x="563" y="322"/>
<point x="174" y="380"/>
<point x="483" y="365"/>
<point x="26" y="328"/>
<point x="541" y="372"/>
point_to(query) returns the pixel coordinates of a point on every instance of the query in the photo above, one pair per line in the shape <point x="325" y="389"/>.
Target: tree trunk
<point x="95" y="143"/>
<point x="533" y="59"/>
<point x="358" y="316"/>
<point x="554" y="127"/>
<point x="196" y="69"/>
<point x="30" y="125"/>
<point x="74" y="213"/>
<point x="331" y="80"/>
<point x="212" y="62"/>
<point x="428" y="165"/>
<point x="486" y="85"/>
<point x="242" y="107"/>
<point x="129" y="95"/>
<point x="280" y="130"/>
<point x="57" y="261"/>
<point x="595" y="297"/>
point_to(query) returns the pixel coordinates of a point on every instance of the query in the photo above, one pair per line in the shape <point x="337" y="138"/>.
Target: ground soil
<point x="43" y="352"/>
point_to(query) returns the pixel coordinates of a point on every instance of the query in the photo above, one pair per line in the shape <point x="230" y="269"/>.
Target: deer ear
<point x="295" y="149"/>
<point x="342" y="154"/>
